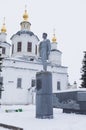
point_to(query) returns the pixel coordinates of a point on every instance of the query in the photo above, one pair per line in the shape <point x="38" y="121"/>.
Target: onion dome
<point x="54" y="40"/>
<point x="25" y="15"/>
<point x="3" y="29"/>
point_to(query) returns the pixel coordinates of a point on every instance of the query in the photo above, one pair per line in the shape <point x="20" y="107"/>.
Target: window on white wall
<point x="35" y="49"/>
<point x="58" y="85"/>
<point x="33" y="83"/>
<point x="19" y="82"/>
<point x="1" y="85"/>
<point x="29" y="46"/>
<point x="19" y="46"/>
<point x="12" y="48"/>
<point x="3" y="50"/>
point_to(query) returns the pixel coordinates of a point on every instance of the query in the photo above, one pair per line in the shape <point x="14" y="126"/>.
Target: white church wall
<point x="14" y="68"/>
<point x="53" y="46"/>
<point x="7" y="49"/>
<point x="55" y="57"/>
<point x="12" y="94"/>
<point x="24" y="38"/>
<point x="3" y="37"/>
<point x="58" y="77"/>
<point x="22" y="66"/>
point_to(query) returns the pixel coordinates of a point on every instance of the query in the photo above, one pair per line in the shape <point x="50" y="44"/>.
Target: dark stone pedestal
<point x="44" y="105"/>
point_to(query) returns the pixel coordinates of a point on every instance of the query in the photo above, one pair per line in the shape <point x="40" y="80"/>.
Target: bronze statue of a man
<point x="44" y="50"/>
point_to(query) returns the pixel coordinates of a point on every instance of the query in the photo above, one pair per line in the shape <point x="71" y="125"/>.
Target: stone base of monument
<point x="44" y="106"/>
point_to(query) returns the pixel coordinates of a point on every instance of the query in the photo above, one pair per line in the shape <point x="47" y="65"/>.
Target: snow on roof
<point x="25" y="32"/>
<point x="72" y="90"/>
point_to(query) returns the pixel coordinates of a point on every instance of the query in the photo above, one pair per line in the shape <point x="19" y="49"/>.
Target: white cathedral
<point x="20" y="67"/>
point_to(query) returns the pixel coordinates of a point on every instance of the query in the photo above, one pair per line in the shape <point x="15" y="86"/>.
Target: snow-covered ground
<point x="27" y="120"/>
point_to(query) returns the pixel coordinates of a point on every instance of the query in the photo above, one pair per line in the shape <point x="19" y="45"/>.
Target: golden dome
<point x="25" y="15"/>
<point x="54" y="40"/>
<point x="3" y="29"/>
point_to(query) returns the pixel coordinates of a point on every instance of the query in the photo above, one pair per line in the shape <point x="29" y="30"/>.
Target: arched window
<point x="33" y="83"/>
<point x="19" y="82"/>
<point x="58" y="85"/>
<point x="19" y="46"/>
<point x="29" y="46"/>
<point x="1" y="85"/>
<point x="35" y="49"/>
<point x="3" y="50"/>
<point x="12" y="48"/>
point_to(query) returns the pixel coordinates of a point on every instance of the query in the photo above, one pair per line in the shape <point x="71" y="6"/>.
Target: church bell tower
<point x="55" y="54"/>
<point x="25" y="24"/>
<point x="25" y="42"/>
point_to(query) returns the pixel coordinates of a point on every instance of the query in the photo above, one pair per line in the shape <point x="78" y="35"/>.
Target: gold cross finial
<point x="25" y="7"/>
<point x="54" y="40"/>
<point x="54" y="31"/>
<point x="25" y="15"/>
<point x="4" y="20"/>
<point x="3" y="29"/>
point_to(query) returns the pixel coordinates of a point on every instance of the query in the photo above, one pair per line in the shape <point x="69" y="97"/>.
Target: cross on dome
<point x="25" y="15"/>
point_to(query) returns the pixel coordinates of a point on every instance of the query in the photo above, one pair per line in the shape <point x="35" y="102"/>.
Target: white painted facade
<point x="5" y="45"/>
<point x="24" y="65"/>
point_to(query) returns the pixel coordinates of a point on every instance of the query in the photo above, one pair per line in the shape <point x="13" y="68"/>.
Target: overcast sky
<point x="68" y="17"/>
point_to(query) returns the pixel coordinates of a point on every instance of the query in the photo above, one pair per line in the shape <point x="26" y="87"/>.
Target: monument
<point x="44" y="105"/>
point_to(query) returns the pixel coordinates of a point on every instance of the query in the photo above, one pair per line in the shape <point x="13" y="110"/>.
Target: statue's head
<point x="44" y="35"/>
